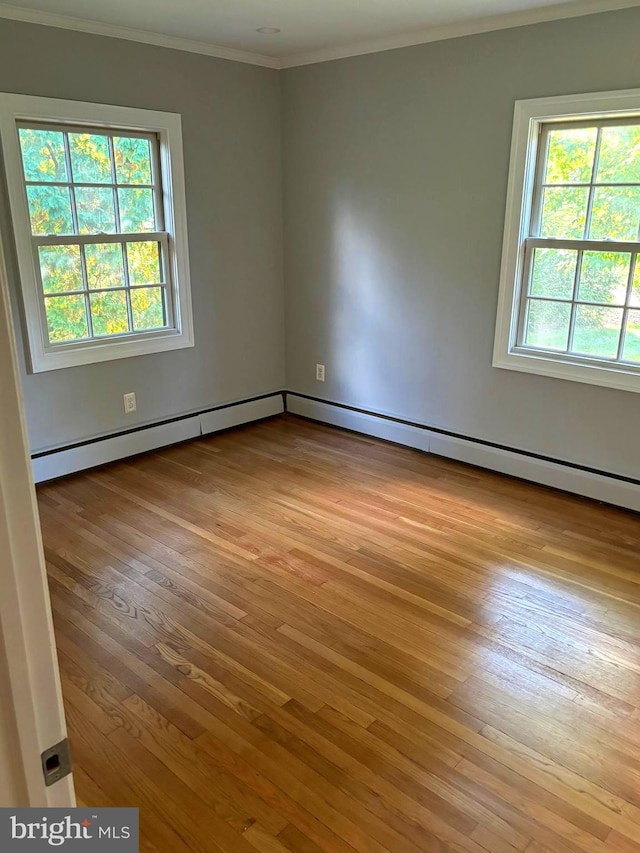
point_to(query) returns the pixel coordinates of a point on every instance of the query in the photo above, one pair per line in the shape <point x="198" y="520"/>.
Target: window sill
<point x="108" y="350"/>
<point x="621" y="377"/>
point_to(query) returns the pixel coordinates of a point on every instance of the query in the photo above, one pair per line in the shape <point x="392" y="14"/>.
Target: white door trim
<point x="33" y="691"/>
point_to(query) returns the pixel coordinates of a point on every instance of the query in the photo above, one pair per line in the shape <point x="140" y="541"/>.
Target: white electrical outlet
<point x="320" y="372"/>
<point x="130" y="404"/>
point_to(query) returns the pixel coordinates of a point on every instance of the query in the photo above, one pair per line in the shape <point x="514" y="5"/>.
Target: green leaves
<point x="579" y="300"/>
<point x="619" y="160"/>
<point x="105" y="267"/>
<point x="133" y="160"/>
<point x="571" y="189"/>
<point x="554" y="272"/>
<point x="147" y="307"/>
<point x="615" y="214"/>
<point x="564" y="212"/>
<point x="66" y="318"/>
<point x="90" y="158"/>
<point x="60" y="268"/>
<point x="43" y="155"/>
<point x="50" y="210"/>
<point x="144" y="262"/>
<point x="94" y="183"/>
<point x="570" y="155"/>
<point x="604" y="277"/>
<point x="136" y="210"/>
<point x="109" y="313"/>
<point x="96" y="210"/>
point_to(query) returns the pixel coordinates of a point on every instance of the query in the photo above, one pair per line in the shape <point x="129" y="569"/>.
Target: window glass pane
<point x="60" y="268"/>
<point x="109" y="313"/>
<point x="66" y="319"/>
<point x="43" y="155"/>
<point x="597" y="331"/>
<point x="604" y="277"/>
<point x="631" y="351"/>
<point x="144" y="263"/>
<point x="90" y="160"/>
<point x="619" y="160"/>
<point x="133" y="160"/>
<point x="136" y="210"/>
<point x="570" y="155"/>
<point x="105" y="267"/>
<point x="635" y="287"/>
<point x="548" y="324"/>
<point x="50" y="210"/>
<point x="564" y="212"/>
<point x="616" y="213"/>
<point x="147" y="306"/>
<point x="96" y="213"/>
<point x="553" y="273"/>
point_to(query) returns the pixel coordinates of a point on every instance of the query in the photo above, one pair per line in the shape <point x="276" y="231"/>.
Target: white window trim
<point x="168" y="126"/>
<point x="529" y="115"/>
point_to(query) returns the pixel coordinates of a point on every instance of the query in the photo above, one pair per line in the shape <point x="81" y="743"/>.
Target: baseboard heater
<point x="49" y="464"/>
<point x="603" y="486"/>
<point x="608" y="487"/>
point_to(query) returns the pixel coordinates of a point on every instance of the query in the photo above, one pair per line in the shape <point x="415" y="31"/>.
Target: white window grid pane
<point x="591" y="186"/>
<point x="157" y="236"/>
<point x="114" y="184"/>
<point x="534" y="241"/>
<point x="633" y="249"/>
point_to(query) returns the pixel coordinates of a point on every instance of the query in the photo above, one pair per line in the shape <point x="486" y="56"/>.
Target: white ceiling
<point x="311" y="30"/>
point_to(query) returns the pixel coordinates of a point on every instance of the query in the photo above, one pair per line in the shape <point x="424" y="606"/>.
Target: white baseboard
<point x="242" y="413"/>
<point x="115" y="447"/>
<point x="565" y="477"/>
<point x="600" y="487"/>
<point x="359" y="422"/>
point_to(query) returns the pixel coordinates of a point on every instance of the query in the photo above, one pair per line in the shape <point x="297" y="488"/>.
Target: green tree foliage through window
<point x="95" y="183"/>
<point x="590" y="190"/>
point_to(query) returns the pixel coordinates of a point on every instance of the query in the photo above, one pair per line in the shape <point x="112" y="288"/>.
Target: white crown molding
<point x="65" y="22"/>
<point x="555" y="12"/>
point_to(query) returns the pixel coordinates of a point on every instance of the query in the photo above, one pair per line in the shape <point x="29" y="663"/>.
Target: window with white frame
<point x="570" y="286"/>
<point x="97" y="201"/>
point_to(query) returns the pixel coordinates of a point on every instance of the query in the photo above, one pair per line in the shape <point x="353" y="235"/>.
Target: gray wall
<point x="395" y="185"/>
<point x="232" y="148"/>
<point x="394" y="188"/>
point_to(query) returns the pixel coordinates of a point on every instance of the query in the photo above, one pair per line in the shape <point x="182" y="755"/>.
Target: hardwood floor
<point x="291" y="638"/>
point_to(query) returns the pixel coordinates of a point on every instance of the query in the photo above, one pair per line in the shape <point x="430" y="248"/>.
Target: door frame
<point x="30" y="688"/>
